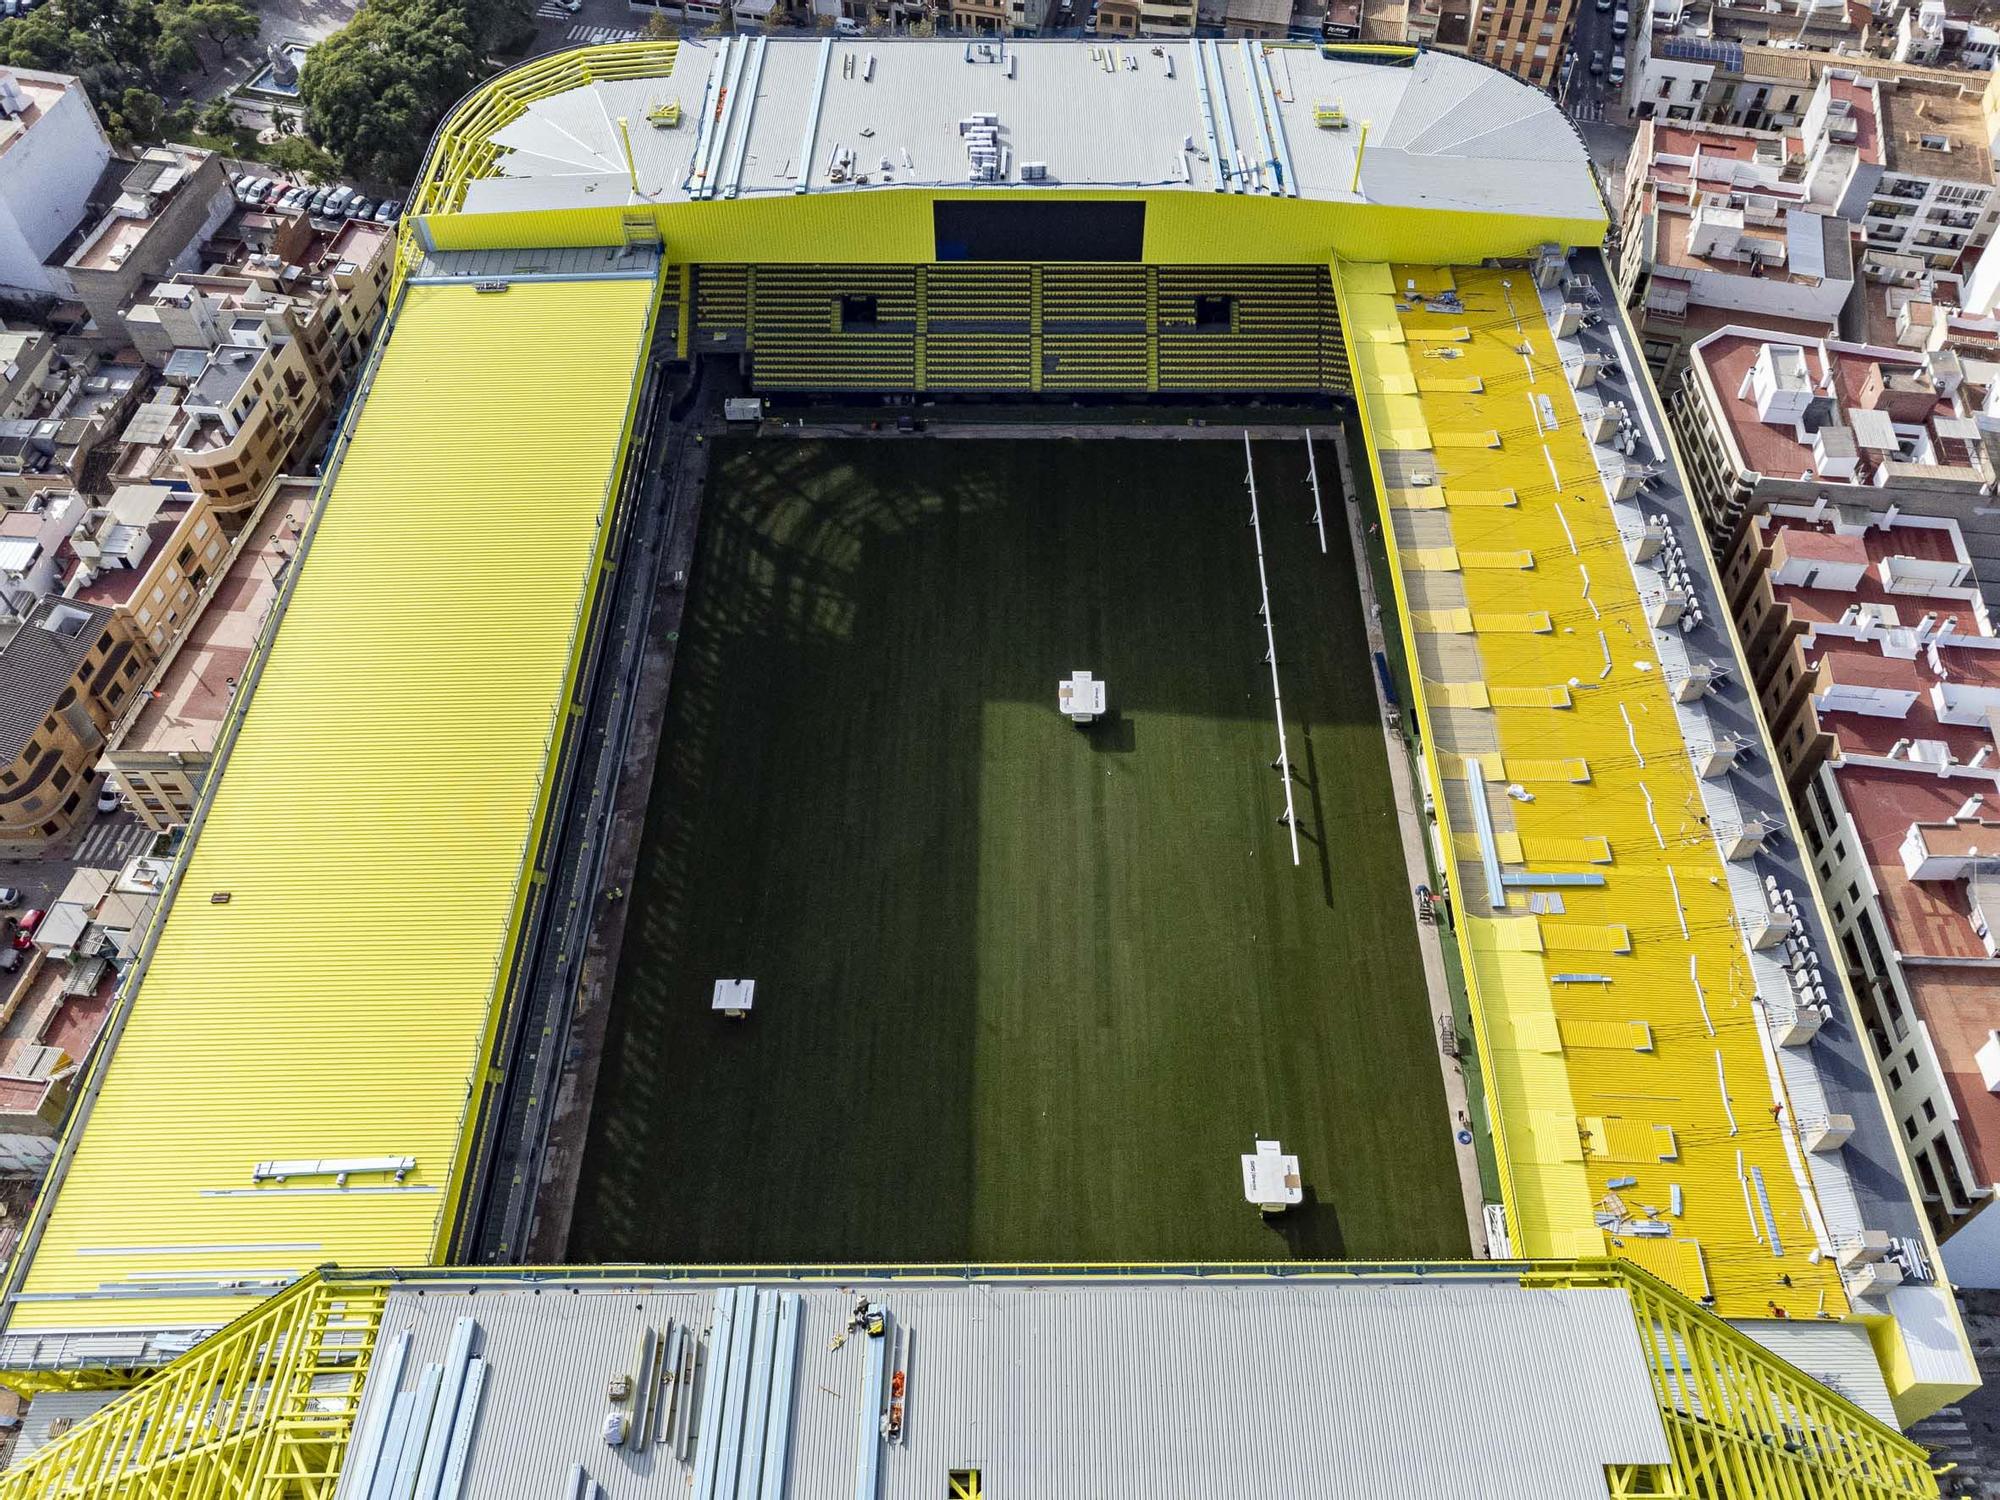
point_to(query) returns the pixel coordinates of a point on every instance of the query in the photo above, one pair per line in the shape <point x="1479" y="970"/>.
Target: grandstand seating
<point x="1024" y="328"/>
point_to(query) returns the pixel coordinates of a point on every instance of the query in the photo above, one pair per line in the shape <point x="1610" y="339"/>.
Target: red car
<point x="24" y="933"/>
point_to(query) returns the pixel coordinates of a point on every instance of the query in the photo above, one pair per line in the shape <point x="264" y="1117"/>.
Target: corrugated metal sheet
<point x="1837" y="1355"/>
<point x="370" y="832"/>
<point x="1102" y="1388"/>
<point x="53" y="1413"/>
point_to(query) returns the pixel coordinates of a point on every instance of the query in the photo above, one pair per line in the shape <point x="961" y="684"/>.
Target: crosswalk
<point x="598" y="35"/>
<point x="551" y="10"/>
<point x="108" y="845"/>
<point x="1586" y="111"/>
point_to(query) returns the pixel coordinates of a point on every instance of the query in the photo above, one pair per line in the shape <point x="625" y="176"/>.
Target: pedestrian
<point x="616" y="893"/>
<point x="1776" y="1110"/>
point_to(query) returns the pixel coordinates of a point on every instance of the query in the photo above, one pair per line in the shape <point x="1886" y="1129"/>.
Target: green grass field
<point x="1025" y="991"/>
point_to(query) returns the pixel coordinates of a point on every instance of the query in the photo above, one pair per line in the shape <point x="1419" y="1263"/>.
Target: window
<point x="856" y="312"/>
<point x="963" y="1484"/>
<point x="1930" y="1110"/>
<point x="1895" y="1079"/>
<point x="1910" y="1060"/>
<point x="1214" y="312"/>
<point x="62" y="777"/>
<point x="1910" y="1128"/>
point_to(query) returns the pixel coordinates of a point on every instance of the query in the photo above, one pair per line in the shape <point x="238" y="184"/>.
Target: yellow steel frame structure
<point x="265" y="1408"/>
<point x="463" y="151"/>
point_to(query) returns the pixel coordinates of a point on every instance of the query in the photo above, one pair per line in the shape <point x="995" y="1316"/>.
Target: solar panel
<point x="1724" y="54"/>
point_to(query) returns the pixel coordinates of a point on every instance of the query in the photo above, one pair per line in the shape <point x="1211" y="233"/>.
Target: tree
<point x="218" y="118"/>
<point x="375" y="90"/>
<point x="135" y="117"/>
<point x="222" y="21"/>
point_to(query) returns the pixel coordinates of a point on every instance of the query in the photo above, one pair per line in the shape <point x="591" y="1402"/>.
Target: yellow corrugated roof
<point x="371" y="829"/>
<point x="1608" y="766"/>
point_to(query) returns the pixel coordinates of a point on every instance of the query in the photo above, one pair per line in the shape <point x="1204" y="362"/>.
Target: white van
<point x="1621" y="23"/>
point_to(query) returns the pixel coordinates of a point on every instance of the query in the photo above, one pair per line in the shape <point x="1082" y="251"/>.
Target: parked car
<point x="108" y="800"/>
<point x="361" y="208"/>
<point x="24" y="930"/>
<point x="9" y="961"/>
<point x="1618" y="71"/>
<point x="318" y="200"/>
<point x="336" y="203"/>
<point x="247" y="188"/>
<point x="295" y="200"/>
<point x="10" y="896"/>
<point x="1621" y="23"/>
<point x="390" y="211"/>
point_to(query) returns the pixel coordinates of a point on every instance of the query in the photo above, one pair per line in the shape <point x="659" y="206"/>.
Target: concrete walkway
<point x="1410" y="820"/>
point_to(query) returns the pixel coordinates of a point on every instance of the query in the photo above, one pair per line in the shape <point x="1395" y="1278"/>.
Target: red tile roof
<point x="1927" y="918"/>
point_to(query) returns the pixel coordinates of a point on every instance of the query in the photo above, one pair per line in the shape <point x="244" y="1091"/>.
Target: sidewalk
<point x="1410" y="820"/>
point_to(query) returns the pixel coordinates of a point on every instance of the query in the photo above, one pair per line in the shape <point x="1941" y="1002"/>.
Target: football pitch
<point x="1025" y="990"/>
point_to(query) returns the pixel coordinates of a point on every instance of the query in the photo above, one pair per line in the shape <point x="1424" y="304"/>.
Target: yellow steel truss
<point x="264" y="1409"/>
<point x="463" y="151"/>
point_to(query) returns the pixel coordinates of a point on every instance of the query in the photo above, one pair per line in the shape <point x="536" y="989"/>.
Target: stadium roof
<point x="1634" y="912"/>
<point x="774" y="116"/>
<point x="322" y="987"/>
<point x="1106" y="1387"/>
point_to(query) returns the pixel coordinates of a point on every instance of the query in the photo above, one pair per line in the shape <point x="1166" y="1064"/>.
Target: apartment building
<point x="150" y="554"/>
<point x="1764" y="420"/>
<point x="1525" y="37"/>
<point x="76" y="413"/>
<point x="169" y="202"/>
<point x="160" y="752"/>
<point x="257" y="346"/>
<point x="1879" y="675"/>
<point x="1909" y="162"/>
<point x="1925" y="34"/>
<point x="27" y="368"/>
<point x="66" y="671"/>
<point x="53" y="150"/>
<point x="1720" y="223"/>
<point x="1685" y="73"/>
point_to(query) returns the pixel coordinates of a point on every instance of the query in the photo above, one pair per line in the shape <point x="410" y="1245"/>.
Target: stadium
<point x="955" y="1208"/>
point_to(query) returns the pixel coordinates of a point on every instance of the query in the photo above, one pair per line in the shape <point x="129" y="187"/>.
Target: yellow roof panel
<point x="1616" y="962"/>
<point x="369" y="830"/>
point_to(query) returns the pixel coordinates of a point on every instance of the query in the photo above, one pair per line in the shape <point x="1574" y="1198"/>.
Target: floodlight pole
<point x="1284" y="760"/>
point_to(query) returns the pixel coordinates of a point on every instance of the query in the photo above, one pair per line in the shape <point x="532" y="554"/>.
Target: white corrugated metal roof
<point x="1838" y="1355"/>
<point x="1103" y="1387"/>
<point x="1444" y="132"/>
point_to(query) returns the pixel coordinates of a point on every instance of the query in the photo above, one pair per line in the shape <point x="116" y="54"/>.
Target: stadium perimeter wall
<point x="895" y="226"/>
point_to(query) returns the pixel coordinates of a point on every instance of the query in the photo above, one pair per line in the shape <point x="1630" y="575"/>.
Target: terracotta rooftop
<point x="186" y="707"/>
<point x="1860" y="99"/>
<point x="1957" y="1006"/>
<point x="1927" y="918"/>
<point x="1911" y="115"/>
<point x="1810" y="544"/>
<point x="1776" y="450"/>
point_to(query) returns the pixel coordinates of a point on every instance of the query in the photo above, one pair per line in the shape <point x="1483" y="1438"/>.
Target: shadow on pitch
<point x="1112" y="734"/>
<point x="1311" y="1231"/>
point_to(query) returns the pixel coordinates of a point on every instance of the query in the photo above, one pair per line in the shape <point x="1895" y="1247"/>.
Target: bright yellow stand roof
<point x="371" y="833"/>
